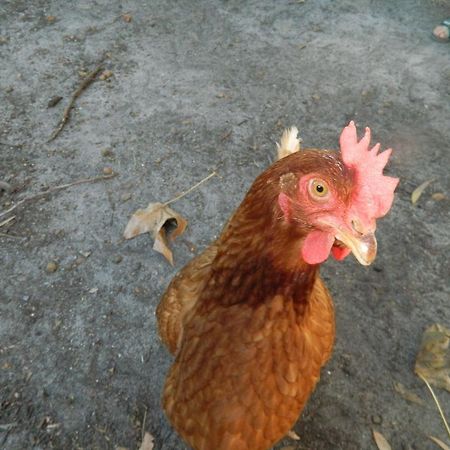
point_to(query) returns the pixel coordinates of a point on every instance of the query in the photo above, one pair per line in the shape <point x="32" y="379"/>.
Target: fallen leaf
<point x="293" y="435"/>
<point x="147" y="442"/>
<point x="439" y="443"/>
<point x="419" y="190"/>
<point x="152" y="220"/>
<point x="381" y="441"/>
<point x="433" y="358"/>
<point x="407" y="394"/>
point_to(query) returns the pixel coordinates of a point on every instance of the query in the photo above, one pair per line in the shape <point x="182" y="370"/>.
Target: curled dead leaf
<point x="153" y="220"/>
<point x="433" y="358"/>
<point x="381" y="441"/>
<point x="419" y="190"/>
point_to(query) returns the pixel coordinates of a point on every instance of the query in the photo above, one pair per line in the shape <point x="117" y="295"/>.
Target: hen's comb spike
<point x="375" y="192"/>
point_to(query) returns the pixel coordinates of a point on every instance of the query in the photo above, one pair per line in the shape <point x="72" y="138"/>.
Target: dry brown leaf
<point x="433" y="358"/>
<point x="419" y="190"/>
<point x="147" y="442"/>
<point x="407" y="394"/>
<point x="152" y="220"/>
<point x="439" y="443"/>
<point x="381" y="441"/>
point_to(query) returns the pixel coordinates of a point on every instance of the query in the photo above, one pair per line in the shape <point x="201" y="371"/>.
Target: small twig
<point x="56" y="189"/>
<point x="12" y="236"/>
<point x="190" y="189"/>
<point x="66" y="114"/>
<point x="437" y="403"/>
<point x="2" y="224"/>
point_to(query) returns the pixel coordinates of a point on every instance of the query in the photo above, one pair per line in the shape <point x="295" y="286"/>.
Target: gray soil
<point x="199" y="86"/>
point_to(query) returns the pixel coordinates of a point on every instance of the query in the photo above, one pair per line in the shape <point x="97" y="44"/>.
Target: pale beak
<point x="363" y="246"/>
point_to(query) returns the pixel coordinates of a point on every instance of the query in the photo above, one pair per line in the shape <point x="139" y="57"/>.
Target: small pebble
<point x="52" y="267"/>
<point x="107" y="153"/>
<point x="54" y="101"/>
<point x="377" y="419"/>
<point x="107" y="171"/>
<point x="125" y="197"/>
<point x="438" y="196"/>
<point x="117" y="259"/>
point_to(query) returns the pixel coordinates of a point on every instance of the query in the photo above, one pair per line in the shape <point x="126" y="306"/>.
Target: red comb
<point x="375" y="192"/>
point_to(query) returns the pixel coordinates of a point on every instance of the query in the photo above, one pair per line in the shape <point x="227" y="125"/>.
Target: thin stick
<point x="12" y="236"/>
<point x="143" y="425"/>
<point x="437" y="403"/>
<point x="7" y="221"/>
<point x="56" y="189"/>
<point x="66" y="114"/>
<point x="190" y="189"/>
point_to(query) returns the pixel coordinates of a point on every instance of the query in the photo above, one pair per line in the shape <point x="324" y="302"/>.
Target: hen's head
<point x="335" y="198"/>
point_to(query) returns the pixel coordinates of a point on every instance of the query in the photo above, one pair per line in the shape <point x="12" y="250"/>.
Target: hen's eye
<point x="318" y="188"/>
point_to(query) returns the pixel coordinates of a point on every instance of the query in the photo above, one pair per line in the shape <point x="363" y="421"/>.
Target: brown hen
<point x="250" y="321"/>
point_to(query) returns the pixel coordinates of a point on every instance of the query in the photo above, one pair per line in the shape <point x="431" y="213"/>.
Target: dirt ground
<point x="198" y="86"/>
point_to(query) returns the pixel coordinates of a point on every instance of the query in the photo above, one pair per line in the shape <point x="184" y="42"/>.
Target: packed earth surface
<point x="186" y="88"/>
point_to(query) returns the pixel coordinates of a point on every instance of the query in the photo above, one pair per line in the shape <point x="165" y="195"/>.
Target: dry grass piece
<point x="439" y="443"/>
<point x="417" y="193"/>
<point x="56" y="189"/>
<point x="441" y="412"/>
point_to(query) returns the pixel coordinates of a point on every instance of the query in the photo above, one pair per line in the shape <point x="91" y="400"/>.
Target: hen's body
<point x="251" y="329"/>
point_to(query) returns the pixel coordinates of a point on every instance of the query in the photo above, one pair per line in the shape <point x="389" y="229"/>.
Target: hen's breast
<point x="244" y="373"/>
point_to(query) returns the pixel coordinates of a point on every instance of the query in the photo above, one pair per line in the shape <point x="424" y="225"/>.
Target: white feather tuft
<point x="289" y="143"/>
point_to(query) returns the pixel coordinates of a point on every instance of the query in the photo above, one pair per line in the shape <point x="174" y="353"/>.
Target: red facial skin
<point x="325" y="213"/>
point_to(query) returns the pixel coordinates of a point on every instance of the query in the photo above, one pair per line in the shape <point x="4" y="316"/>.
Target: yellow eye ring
<point x="318" y="188"/>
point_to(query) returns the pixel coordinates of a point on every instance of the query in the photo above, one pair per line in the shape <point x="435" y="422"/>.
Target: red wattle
<point x="340" y="253"/>
<point x="316" y="247"/>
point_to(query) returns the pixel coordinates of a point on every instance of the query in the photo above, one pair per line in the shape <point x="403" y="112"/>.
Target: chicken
<point x="249" y="320"/>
